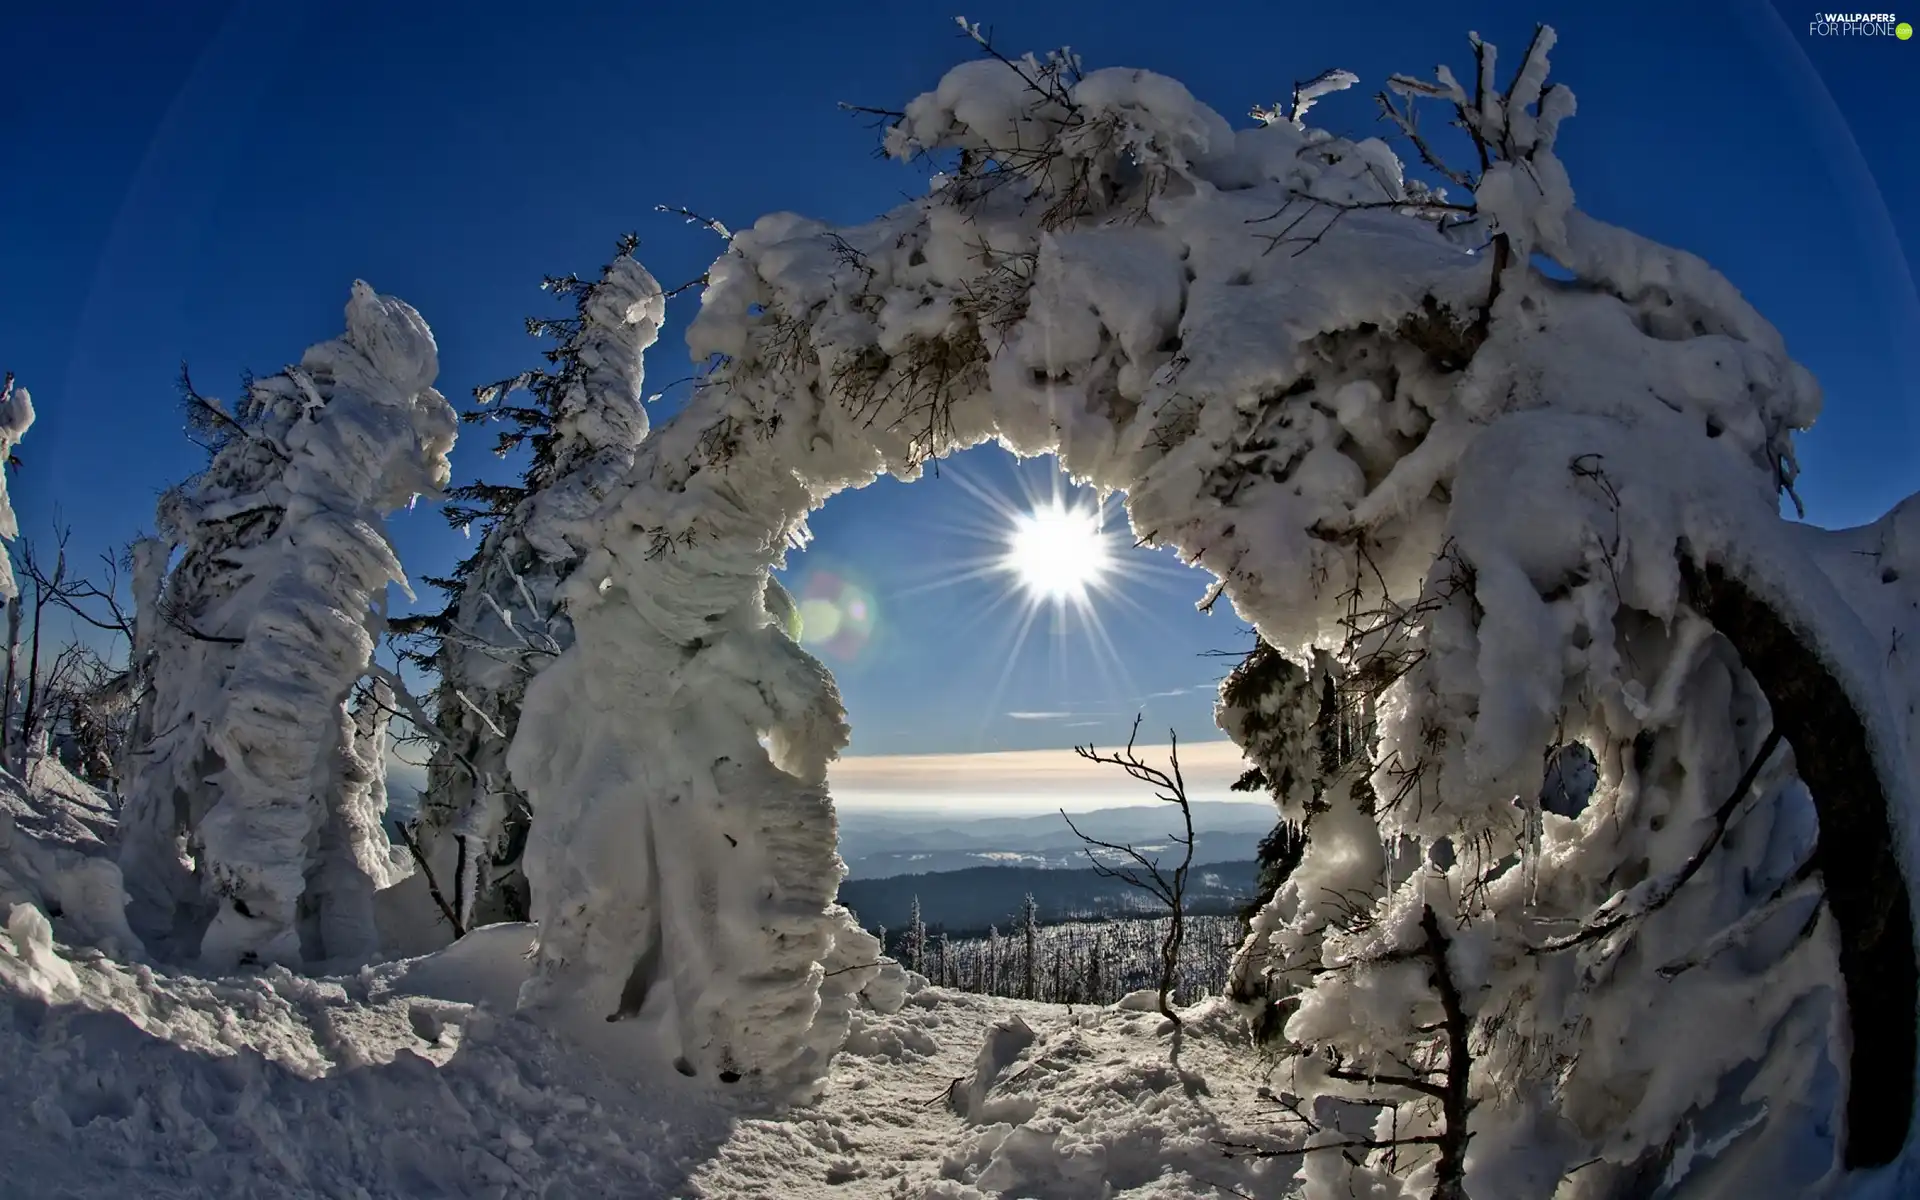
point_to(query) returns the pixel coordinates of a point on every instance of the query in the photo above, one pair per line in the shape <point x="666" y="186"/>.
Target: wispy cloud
<point x="1040" y="716"/>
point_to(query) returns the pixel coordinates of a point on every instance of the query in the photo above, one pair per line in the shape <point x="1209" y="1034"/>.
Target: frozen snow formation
<point x="16" y="417"/>
<point x="1495" y="477"/>
<point x="54" y="861"/>
<point x="505" y="622"/>
<point x="253" y="828"/>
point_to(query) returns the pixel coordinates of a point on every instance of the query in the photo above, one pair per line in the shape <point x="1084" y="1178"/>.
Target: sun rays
<point x="1050" y="557"/>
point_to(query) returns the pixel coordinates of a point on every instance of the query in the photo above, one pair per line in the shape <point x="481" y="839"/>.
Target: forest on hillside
<point x="1074" y="962"/>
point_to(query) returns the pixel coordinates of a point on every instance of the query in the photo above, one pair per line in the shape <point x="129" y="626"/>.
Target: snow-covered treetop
<point x="388" y="359"/>
<point x="599" y="416"/>
<point x="621" y="317"/>
<point x="586" y="412"/>
<point x="386" y="356"/>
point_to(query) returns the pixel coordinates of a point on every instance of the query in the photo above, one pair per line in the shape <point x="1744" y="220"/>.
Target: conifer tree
<point x="914" y="949"/>
<point x="1030" y="935"/>
<point x="577" y="421"/>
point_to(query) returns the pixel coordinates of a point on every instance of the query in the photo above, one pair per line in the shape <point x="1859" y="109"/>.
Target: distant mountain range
<point x="968" y="901"/>
<point x="973" y="872"/>
<point x="1069" y="854"/>
<point x="877" y="845"/>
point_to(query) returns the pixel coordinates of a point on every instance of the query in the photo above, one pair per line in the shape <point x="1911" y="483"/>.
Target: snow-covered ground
<point x="415" y="1079"/>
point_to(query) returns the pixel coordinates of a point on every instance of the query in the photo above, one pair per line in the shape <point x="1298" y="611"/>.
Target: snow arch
<point x="1328" y="385"/>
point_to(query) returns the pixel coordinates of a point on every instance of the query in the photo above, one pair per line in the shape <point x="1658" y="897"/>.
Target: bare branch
<point x="694" y="218"/>
<point x="426" y="871"/>
<point x="1169" y="888"/>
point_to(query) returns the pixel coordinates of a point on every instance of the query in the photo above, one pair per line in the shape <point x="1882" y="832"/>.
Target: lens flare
<point x="836" y="616"/>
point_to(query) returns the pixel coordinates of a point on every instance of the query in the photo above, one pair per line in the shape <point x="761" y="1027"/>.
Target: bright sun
<point x="1054" y="556"/>
<point x="1058" y="552"/>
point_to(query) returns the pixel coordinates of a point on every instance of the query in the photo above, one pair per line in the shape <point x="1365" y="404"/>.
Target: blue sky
<point x="202" y="181"/>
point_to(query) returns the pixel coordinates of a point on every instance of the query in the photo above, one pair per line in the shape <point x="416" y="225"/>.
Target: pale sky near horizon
<point x="1018" y="782"/>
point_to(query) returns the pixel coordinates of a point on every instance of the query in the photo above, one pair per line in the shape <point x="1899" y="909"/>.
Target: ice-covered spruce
<point x="1505" y="476"/>
<point x="504" y="622"/>
<point x="251" y="834"/>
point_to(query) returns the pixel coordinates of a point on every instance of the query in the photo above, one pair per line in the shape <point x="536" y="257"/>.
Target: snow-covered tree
<point x="1030" y="946"/>
<point x="251" y="831"/>
<point x="1504" y="476"/>
<point x="189" y="621"/>
<point x="578" y="421"/>
<point x="16" y="417"/>
<point x="913" y="945"/>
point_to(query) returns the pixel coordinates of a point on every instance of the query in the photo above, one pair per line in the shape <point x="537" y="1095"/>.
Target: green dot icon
<point x="1903" y="31"/>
